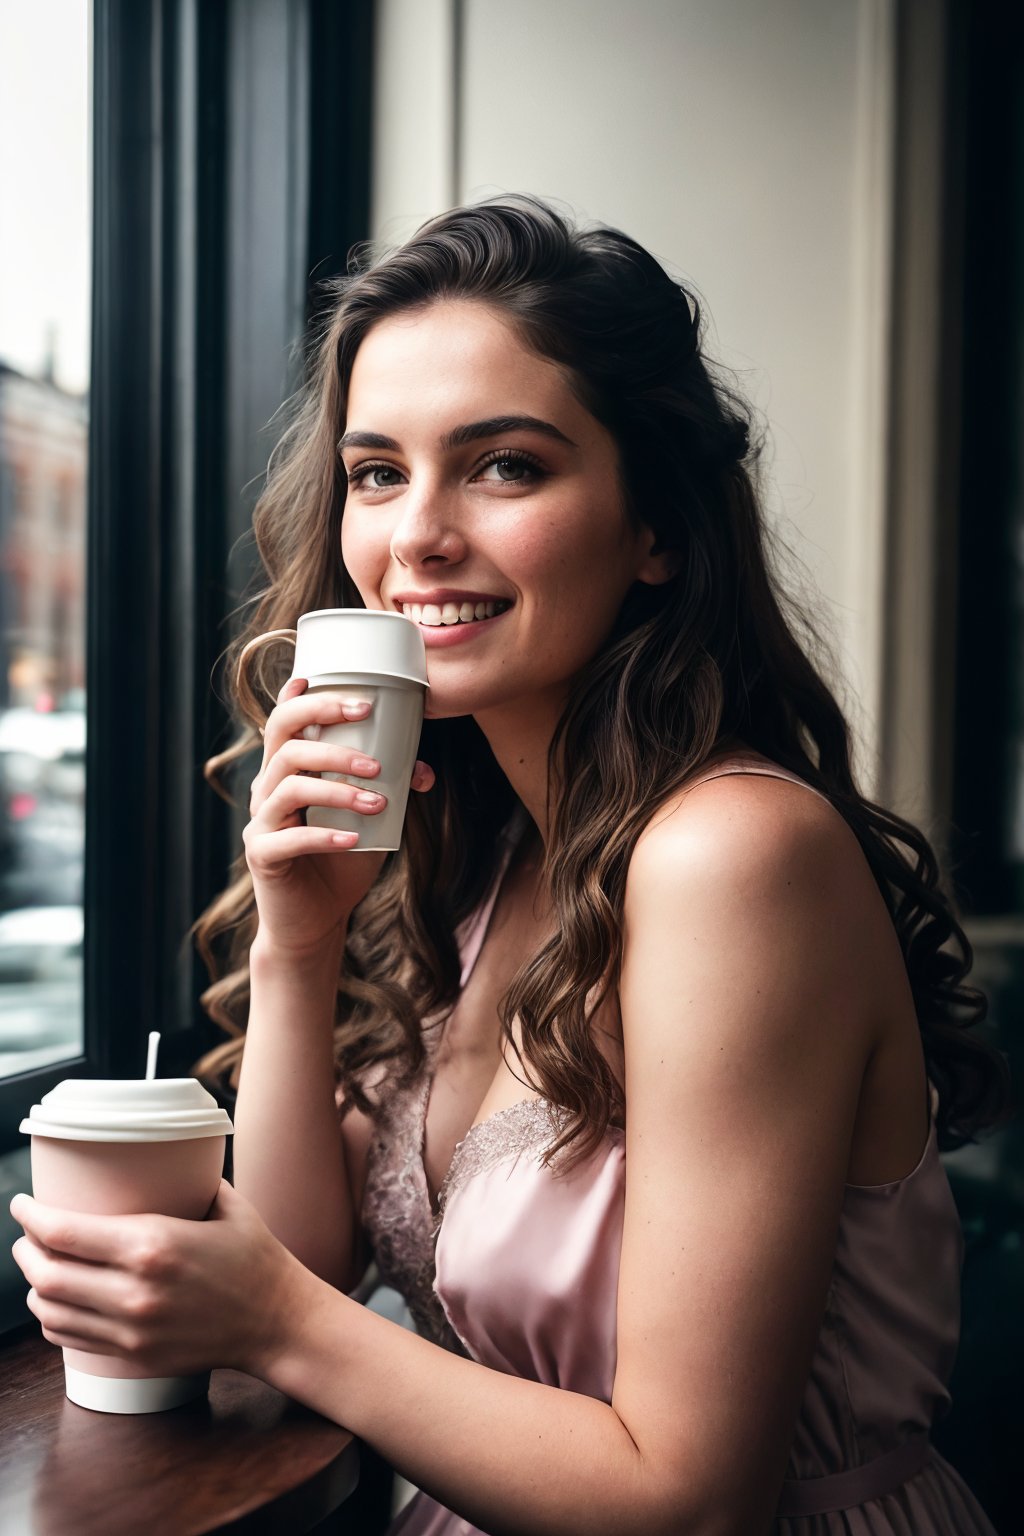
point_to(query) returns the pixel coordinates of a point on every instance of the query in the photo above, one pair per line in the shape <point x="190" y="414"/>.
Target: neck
<point x="519" y="734"/>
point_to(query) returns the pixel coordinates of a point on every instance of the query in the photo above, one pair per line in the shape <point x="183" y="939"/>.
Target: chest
<point x="477" y="1071"/>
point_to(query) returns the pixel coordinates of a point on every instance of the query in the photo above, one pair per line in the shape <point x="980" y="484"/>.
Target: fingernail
<point x="364" y="765"/>
<point x="366" y="797"/>
<point x="351" y="704"/>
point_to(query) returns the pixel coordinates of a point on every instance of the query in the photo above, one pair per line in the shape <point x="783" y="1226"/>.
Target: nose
<point x="427" y="530"/>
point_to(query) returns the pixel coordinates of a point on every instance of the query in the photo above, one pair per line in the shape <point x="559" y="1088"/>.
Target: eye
<point x="357" y="476"/>
<point x="513" y="468"/>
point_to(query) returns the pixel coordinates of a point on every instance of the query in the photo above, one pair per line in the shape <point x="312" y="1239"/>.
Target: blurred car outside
<point x="42" y="838"/>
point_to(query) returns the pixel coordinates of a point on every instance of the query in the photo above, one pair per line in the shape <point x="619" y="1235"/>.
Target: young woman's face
<point x="475" y="477"/>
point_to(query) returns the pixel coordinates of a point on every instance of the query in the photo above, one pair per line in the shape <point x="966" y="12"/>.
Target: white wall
<point x="747" y="143"/>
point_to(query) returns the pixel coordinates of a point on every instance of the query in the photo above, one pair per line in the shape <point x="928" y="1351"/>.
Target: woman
<point x="644" y="1044"/>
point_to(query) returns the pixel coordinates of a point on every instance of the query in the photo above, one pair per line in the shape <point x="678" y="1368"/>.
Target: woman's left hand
<point x="174" y="1297"/>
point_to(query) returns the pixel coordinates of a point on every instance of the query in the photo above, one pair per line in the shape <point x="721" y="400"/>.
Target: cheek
<point x="578" y="557"/>
<point x="364" y="555"/>
<point x="556" y="547"/>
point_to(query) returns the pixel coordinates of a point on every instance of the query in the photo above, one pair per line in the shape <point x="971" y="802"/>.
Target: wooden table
<point x="244" y="1459"/>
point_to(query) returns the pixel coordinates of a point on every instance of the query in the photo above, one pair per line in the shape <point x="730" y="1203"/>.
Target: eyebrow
<point x="494" y="426"/>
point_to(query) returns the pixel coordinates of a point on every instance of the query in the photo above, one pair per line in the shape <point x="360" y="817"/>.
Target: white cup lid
<point x="128" y="1109"/>
<point x="341" y="641"/>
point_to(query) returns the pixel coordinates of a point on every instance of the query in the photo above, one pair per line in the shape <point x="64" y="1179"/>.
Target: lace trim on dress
<point x="525" y="1126"/>
<point x="396" y="1211"/>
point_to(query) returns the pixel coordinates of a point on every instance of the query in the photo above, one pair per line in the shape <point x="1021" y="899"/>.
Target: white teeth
<point x="436" y="614"/>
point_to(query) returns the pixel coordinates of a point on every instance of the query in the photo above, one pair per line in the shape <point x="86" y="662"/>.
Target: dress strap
<point x="472" y="933"/>
<point x="768" y="771"/>
<point x="857" y="1485"/>
<point x="476" y="932"/>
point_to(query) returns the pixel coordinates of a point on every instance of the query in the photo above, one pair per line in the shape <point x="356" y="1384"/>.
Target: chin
<point x="453" y="703"/>
<point x="446" y="714"/>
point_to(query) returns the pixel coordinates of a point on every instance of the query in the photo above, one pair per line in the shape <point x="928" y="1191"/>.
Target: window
<point x="230" y="161"/>
<point x="44" y="413"/>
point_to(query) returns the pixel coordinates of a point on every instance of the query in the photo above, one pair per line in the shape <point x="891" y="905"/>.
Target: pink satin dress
<point x="519" y="1270"/>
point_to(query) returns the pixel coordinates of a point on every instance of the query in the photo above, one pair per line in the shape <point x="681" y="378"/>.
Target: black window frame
<point x="987" y="300"/>
<point x="231" y="173"/>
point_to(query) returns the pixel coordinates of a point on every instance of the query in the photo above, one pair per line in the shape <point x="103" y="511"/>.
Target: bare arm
<point x="289" y="1157"/>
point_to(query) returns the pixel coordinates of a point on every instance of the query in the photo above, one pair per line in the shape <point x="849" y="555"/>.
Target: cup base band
<point x="123" y="1394"/>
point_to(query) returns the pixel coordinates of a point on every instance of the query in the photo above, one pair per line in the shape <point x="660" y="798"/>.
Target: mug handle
<point x="255" y="644"/>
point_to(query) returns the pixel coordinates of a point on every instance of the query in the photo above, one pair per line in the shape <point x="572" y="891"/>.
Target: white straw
<point x="154" y="1045"/>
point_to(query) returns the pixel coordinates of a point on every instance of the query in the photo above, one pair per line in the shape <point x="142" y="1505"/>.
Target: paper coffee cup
<point x="391" y="734"/>
<point x="363" y="653"/>
<point x="360" y="653"/>
<point x="120" y="1148"/>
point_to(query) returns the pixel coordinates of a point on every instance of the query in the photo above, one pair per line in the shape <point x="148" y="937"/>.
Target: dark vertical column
<point x="989" y="768"/>
<point x="125" y="869"/>
<point x="265" y="246"/>
<point x="341" y="41"/>
<point x="156" y="839"/>
<point x="195" y="588"/>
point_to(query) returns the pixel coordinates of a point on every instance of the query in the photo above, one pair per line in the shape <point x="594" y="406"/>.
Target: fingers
<point x="264" y="851"/>
<point x="299" y="757"/>
<point x="86" y="1272"/>
<point x="292" y="688"/>
<point x="59" y="1279"/>
<point x="82" y="1235"/>
<point x="298" y="791"/>
<point x="299" y="716"/>
<point x="73" y="1327"/>
<point x="297" y="710"/>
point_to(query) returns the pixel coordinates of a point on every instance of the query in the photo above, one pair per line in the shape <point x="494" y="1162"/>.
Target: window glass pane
<point x="45" y="229"/>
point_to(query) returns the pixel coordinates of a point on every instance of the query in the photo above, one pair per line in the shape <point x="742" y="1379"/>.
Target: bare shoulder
<point x="767" y="880"/>
<point x="754" y="832"/>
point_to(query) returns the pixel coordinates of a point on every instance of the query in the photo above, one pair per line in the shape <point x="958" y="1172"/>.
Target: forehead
<point x="449" y="359"/>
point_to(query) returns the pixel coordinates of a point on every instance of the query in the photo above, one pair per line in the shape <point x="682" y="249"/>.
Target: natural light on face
<point x="529" y="516"/>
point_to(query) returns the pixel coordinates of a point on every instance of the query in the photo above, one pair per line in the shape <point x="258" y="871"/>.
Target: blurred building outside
<point x="43" y="456"/>
<point x="45" y="193"/>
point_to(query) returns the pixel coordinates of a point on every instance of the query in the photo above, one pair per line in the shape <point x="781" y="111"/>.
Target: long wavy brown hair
<point x="718" y="653"/>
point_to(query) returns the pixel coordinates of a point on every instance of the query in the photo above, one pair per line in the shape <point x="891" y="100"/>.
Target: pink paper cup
<point x="120" y="1148"/>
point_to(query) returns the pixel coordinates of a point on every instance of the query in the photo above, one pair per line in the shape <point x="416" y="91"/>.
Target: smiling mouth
<point x="446" y="615"/>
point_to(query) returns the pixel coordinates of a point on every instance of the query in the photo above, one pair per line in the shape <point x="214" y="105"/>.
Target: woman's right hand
<point x="308" y="880"/>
